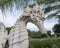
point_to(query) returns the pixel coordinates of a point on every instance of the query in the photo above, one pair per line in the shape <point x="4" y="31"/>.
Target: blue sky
<point x="10" y="19"/>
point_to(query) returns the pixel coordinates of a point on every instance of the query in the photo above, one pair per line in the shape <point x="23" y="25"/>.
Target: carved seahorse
<point x="18" y="37"/>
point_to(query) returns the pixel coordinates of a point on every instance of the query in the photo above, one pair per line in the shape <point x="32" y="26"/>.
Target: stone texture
<point x="3" y="35"/>
<point x="19" y="36"/>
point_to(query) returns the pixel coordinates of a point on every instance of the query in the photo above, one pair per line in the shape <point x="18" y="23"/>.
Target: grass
<point x="43" y="43"/>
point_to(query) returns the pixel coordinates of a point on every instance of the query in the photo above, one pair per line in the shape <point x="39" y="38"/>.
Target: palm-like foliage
<point x="48" y="5"/>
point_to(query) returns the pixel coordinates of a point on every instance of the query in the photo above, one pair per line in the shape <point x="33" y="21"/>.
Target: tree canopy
<point x="56" y="28"/>
<point x="52" y="7"/>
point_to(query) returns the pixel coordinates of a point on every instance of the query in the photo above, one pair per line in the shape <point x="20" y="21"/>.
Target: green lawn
<point x="44" y="43"/>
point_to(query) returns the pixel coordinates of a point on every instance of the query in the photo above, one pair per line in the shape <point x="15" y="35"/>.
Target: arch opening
<point x="32" y="27"/>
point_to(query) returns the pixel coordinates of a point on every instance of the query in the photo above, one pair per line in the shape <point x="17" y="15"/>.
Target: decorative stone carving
<point x="18" y="37"/>
<point x="19" y="34"/>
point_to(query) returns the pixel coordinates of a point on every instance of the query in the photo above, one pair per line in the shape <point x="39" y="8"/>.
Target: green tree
<point x="56" y="29"/>
<point x="8" y="29"/>
<point x="48" y="5"/>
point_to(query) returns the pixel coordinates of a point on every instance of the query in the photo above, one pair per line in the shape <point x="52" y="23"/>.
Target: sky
<point x="10" y="18"/>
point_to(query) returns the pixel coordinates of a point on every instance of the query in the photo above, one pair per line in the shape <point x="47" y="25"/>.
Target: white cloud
<point x="32" y="27"/>
<point x="50" y="23"/>
<point x="1" y="16"/>
<point x="9" y="21"/>
<point x="10" y="18"/>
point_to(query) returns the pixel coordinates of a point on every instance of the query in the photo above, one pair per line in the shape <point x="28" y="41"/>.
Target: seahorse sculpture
<point x="18" y="37"/>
